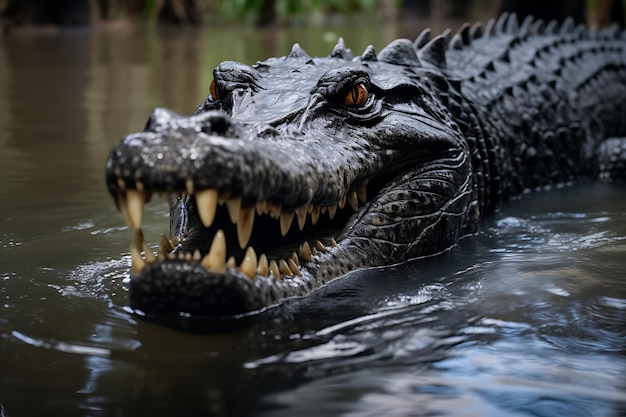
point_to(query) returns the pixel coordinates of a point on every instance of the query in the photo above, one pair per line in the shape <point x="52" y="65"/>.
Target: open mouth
<point x="250" y="239"/>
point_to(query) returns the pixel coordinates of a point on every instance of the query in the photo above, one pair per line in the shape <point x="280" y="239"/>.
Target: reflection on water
<point x="528" y="318"/>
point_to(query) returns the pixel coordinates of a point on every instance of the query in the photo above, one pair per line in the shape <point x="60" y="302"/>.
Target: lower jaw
<point x="187" y="289"/>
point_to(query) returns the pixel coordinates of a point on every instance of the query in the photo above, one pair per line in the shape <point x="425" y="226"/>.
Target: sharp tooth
<point x="305" y="252"/>
<point x="135" y="200"/>
<point x="342" y="202"/>
<point x="295" y="269"/>
<point x="122" y="205"/>
<point x="207" y="205"/>
<point x="285" y="222"/>
<point x="139" y="239"/>
<point x="274" y="210"/>
<point x="181" y="256"/>
<point x="320" y="246"/>
<point x="314" y="252"/>
<point x="174" y="241"/>
<point x="196" y="255"/>
<point x="149" y="255"/>
<point x="230" y="263"/>
<point x="295" y="258"/>
<point x="189" y="186"/>
<point x="333" y="243"/>
<point x="301" y="213"/>
<point x="137" y="261"/>
<point x="263" y="268"/>
<point x="249" y="264"/>
<point x="353" y="201"/>
<point x="244" y="226"/>
<point x="215" y="260"/>
<point x="283" y="267"/>
<point x="188" y="256"/>
<point x="274" y="269"/>
<point x="332" y="210"/>
<point x="234" y="207"/>
<point x="323" y="209"/>
<point x="361" y="194"/>
<point x="171" y="256"/>
<point x="315" y="214"/>
<point x="261" y="207"/>
<point x="121" y="184"/>
<point x="139" y="186"/>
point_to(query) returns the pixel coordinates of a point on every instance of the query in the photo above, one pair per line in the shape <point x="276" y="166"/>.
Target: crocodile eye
<point x="356" y="96"/>
<point x="213" y="91"/>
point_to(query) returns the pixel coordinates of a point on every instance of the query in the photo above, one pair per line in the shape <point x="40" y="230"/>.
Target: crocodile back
<point x="546" y="96"/>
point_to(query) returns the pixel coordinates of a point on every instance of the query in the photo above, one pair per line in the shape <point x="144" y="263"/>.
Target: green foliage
<point x="251" y="10"/>
<point x="248" y="11"/>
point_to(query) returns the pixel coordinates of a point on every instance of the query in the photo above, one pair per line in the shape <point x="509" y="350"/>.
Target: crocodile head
<point x="293" y="172"/>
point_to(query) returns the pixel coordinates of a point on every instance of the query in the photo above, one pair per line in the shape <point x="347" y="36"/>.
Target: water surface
<point x="528" y="318"/>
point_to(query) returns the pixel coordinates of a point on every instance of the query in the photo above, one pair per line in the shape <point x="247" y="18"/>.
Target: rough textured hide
<point x="329" y="165"/>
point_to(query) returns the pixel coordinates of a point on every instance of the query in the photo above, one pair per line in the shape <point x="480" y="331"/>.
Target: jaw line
<point x="193" y="242"/>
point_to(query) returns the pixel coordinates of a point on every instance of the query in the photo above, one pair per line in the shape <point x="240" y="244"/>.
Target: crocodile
<point x="299" y="170"/>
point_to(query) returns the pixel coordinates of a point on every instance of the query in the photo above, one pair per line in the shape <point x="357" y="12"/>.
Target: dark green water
<point x="526" y="319"/>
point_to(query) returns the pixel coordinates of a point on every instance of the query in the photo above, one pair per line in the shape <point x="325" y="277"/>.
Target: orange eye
<point x="356" y="96"/>
<point x="213" y="91"/>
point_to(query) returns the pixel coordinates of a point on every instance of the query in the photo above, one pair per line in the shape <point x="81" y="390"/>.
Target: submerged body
<point x="296" y="171"/>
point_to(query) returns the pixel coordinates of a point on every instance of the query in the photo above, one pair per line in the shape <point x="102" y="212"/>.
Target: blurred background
<point x="515" y="322"/>
<point x="286" y="12"/>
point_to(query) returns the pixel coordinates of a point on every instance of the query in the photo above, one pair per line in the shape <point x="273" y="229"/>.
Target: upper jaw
<point x="289" y="170"/>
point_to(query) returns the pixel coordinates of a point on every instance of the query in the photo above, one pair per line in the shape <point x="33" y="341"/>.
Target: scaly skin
<point x="414" y="145"/>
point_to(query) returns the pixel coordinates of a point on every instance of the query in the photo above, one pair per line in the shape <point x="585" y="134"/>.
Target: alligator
<point x="298" y="170"/>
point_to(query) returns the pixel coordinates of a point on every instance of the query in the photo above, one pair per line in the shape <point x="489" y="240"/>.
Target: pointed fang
<point x="293" y="267"/>
<point x="148" y="252"/>
<point x="361" y="194"/>
<point x="249" y="264"/>
<point x="189" y="186"/>
<point x="315" y="214"/>
<point x="285" y="222"/>
<point x="234" y="207"/>
<point x="215" y="260"/>
<point x="274" y="269"/>
<point x="331" y="211"/>
<point x="123" y="208"/>
<point x="166" y="247"/>
<point x="352" y="200"/>
<point x="138" y="238"/>
<point x="135" y="200"/>
<point x="207" y="205"/>
<point x="301" y="213"/>
<point x="138" y="262"/>
<point x="244" y="226"/>
<point x="305" y="252"/>
<point x="263" y="268"/>
<point x="283" y="267"/>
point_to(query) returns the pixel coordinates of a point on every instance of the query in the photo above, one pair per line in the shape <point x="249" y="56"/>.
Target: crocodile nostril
<point x="220" y="125"/>
<point x="267" y="132"/>
<point x="159" y="118"/>
<point x="217" y="125"/>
